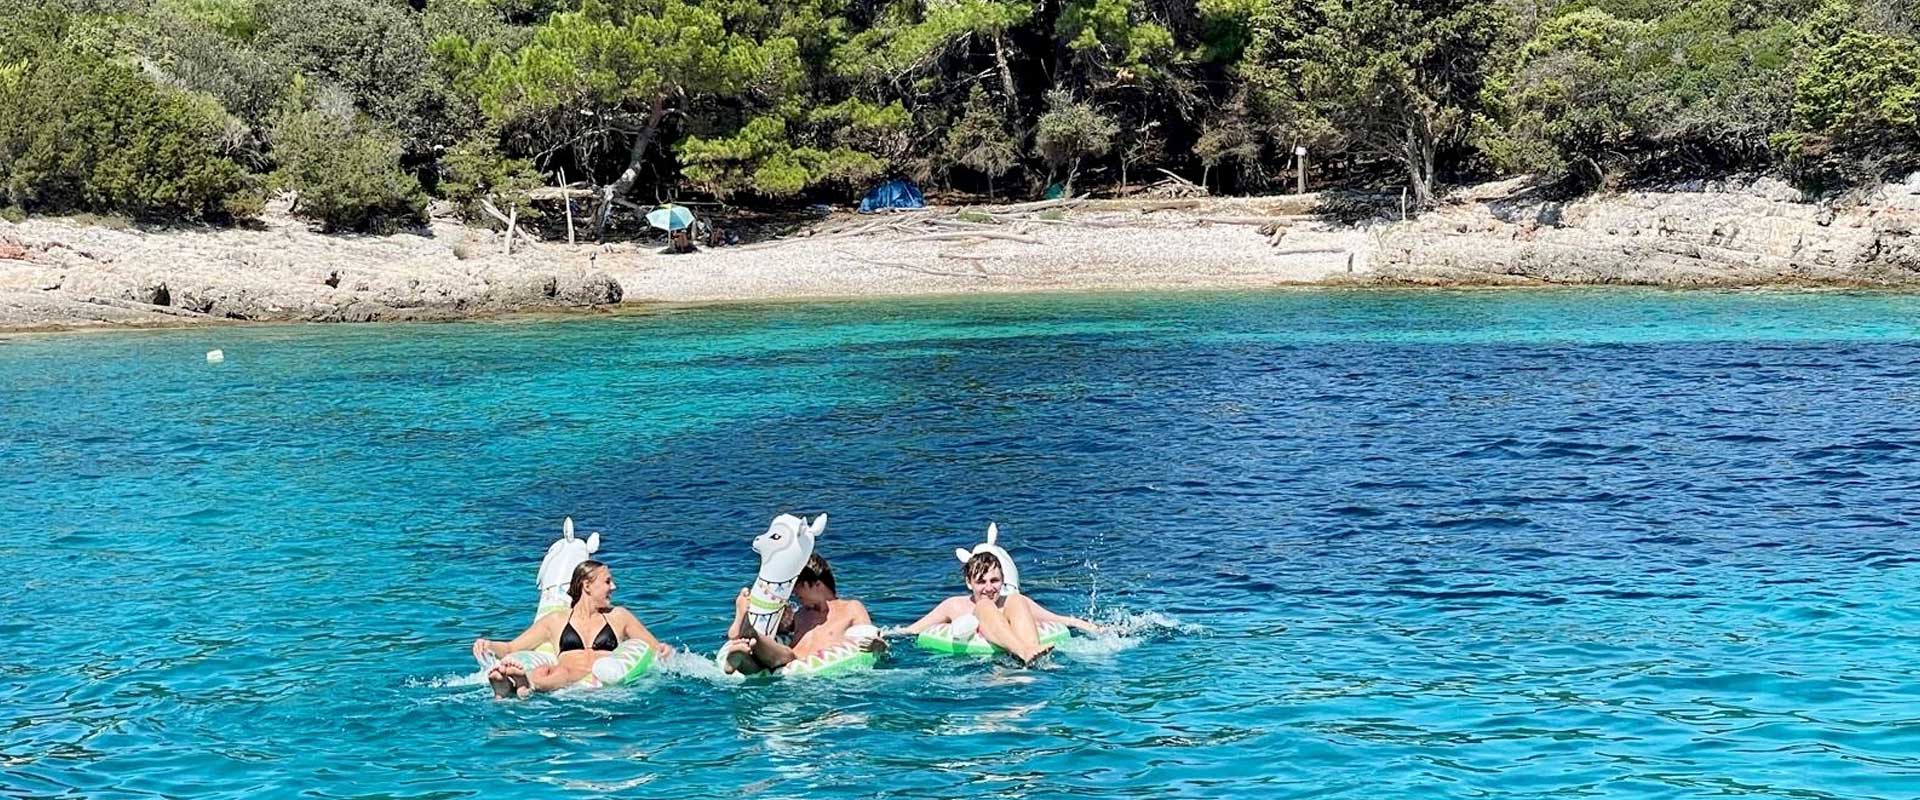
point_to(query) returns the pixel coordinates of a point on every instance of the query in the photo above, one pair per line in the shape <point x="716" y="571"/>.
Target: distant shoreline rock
<point x="57" y="273"/>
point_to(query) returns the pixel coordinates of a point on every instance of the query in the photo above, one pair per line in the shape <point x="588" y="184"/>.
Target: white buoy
<point x="215" y="356"/>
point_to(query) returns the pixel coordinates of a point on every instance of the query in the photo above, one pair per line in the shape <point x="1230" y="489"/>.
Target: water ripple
<point x="1366" y="544"/>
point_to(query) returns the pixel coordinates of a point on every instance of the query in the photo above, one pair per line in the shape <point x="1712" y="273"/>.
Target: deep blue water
<point x="1354" y="544"/>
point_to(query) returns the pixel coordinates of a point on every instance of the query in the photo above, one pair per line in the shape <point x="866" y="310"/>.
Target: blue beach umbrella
<point x="670" y="217"/>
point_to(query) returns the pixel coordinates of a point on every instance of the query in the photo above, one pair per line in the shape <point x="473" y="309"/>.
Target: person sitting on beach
<point x="1011" y="622"/>
<point x="820" y="624"/>
<point x="581" y="635"/>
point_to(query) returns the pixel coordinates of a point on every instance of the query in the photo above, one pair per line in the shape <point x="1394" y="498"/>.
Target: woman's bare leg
<point x="569" y="671"/>
<point x="997" y="626"/>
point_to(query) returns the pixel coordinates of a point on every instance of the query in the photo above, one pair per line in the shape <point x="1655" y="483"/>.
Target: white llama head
<point x="784" y="550"/>
<point x="786" y="546"/>
<point x="556" y="570"/>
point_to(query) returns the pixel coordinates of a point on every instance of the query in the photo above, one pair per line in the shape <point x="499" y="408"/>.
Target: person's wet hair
<point x="817" y="571"/>
<point x="978" y="565"/>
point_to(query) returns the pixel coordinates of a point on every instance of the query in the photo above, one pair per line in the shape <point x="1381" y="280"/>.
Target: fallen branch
<point x="844" y="233"/>
<point x="1170" y="205"/>
<point x="1257" y="221"/>
<point x="1306" y="250"/>
<point x="1042" y="220"/>
<point x="961" y="223"/>
<point x="511" y="223"/>
<point x="909" y="267"/>
<point x="1037" y="205"/>
<point x="1176" y="176"/>
<point x="941" y="237"/>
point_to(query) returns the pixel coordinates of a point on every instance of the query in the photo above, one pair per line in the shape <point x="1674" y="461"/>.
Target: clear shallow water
<point x="1611" y="544"/>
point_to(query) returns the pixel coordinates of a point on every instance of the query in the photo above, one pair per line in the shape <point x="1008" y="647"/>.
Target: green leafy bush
<point x="476" y="171"/>
<point x="980" y="140"/>
<point x="377" y="52"/>
<point x="1070" y="131"/>
<point x="78" y="133"/>
<point x="345" y="168"/>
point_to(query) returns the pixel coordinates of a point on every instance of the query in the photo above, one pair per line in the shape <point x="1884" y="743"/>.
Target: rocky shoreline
<point x="64" y="273"/>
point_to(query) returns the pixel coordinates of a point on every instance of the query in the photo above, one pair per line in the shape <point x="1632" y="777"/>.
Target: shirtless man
<point x="1010" y="621"/>
<point x="820" y="624"/>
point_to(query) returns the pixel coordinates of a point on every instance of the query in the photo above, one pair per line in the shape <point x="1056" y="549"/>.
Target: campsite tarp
<point x="896" y="193"/>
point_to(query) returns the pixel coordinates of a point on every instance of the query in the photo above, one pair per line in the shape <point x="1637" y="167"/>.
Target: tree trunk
<point x="1417" y="152"/>
<point x="1006" y="77"/>
<point x="636" y="158"/>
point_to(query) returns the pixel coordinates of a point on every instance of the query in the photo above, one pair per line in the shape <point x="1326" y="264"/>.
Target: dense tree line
<point x="197" y="109"/>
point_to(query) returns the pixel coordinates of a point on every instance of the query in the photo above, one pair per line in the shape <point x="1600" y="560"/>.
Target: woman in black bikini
<point x="593" y="610"/>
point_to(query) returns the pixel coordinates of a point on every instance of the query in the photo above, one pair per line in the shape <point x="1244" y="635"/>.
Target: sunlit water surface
<point x="1350" y="544"/>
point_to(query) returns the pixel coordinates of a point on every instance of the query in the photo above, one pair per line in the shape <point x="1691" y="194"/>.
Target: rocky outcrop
<point x="1755" y="233"/>
<point x="57" y="272"/>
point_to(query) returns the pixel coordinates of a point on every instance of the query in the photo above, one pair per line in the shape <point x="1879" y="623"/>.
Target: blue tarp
<point x="896" y="193"/>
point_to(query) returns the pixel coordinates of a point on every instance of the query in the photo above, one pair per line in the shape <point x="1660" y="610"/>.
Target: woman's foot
<point x="501" y="685"/>
<point x="508" y="679"/>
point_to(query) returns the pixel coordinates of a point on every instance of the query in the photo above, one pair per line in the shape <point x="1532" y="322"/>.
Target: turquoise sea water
<point x="1352" y="544"/>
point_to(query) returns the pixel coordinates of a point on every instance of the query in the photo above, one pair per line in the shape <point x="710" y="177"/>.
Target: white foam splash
<point x="476" y="678"/>
<point x="1122" y="630"/>
<point x="1147" y="623"/>
<point x="698" y="666"/>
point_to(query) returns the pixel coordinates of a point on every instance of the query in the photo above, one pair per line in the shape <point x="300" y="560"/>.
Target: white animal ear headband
<point x="1009" y="574"/>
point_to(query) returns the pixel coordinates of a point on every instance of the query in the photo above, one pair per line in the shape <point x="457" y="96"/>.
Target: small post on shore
<point x="569" y="198"/>
<point x="513" y="218"/>
<point x="1300" y="165"/>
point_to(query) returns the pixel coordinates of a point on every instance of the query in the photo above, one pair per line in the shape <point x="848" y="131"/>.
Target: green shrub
<point x="345" y="169"/>
<point x="200" y="59"/>
<point x="1070" y="131"/>
<point x="375" y="50"/>
<point x="78" y="133"/>
<point x="475" y="171"/>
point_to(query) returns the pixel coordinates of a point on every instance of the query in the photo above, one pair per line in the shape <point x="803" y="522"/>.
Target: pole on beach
<point x="569" y="199"/>
<point x="513" y="220"/>
<point x="1300" y="166"/>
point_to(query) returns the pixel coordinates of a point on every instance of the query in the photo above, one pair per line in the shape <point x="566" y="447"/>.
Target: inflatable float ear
<point x="962" y="554"/>
<point x="993" y="533"/>
<point x="819" y="524"/>
<point x="593" y="543"/>
<point x="566" y="529"/>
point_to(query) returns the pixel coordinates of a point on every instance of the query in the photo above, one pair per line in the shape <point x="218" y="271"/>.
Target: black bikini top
<point x="604" y="640"/>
